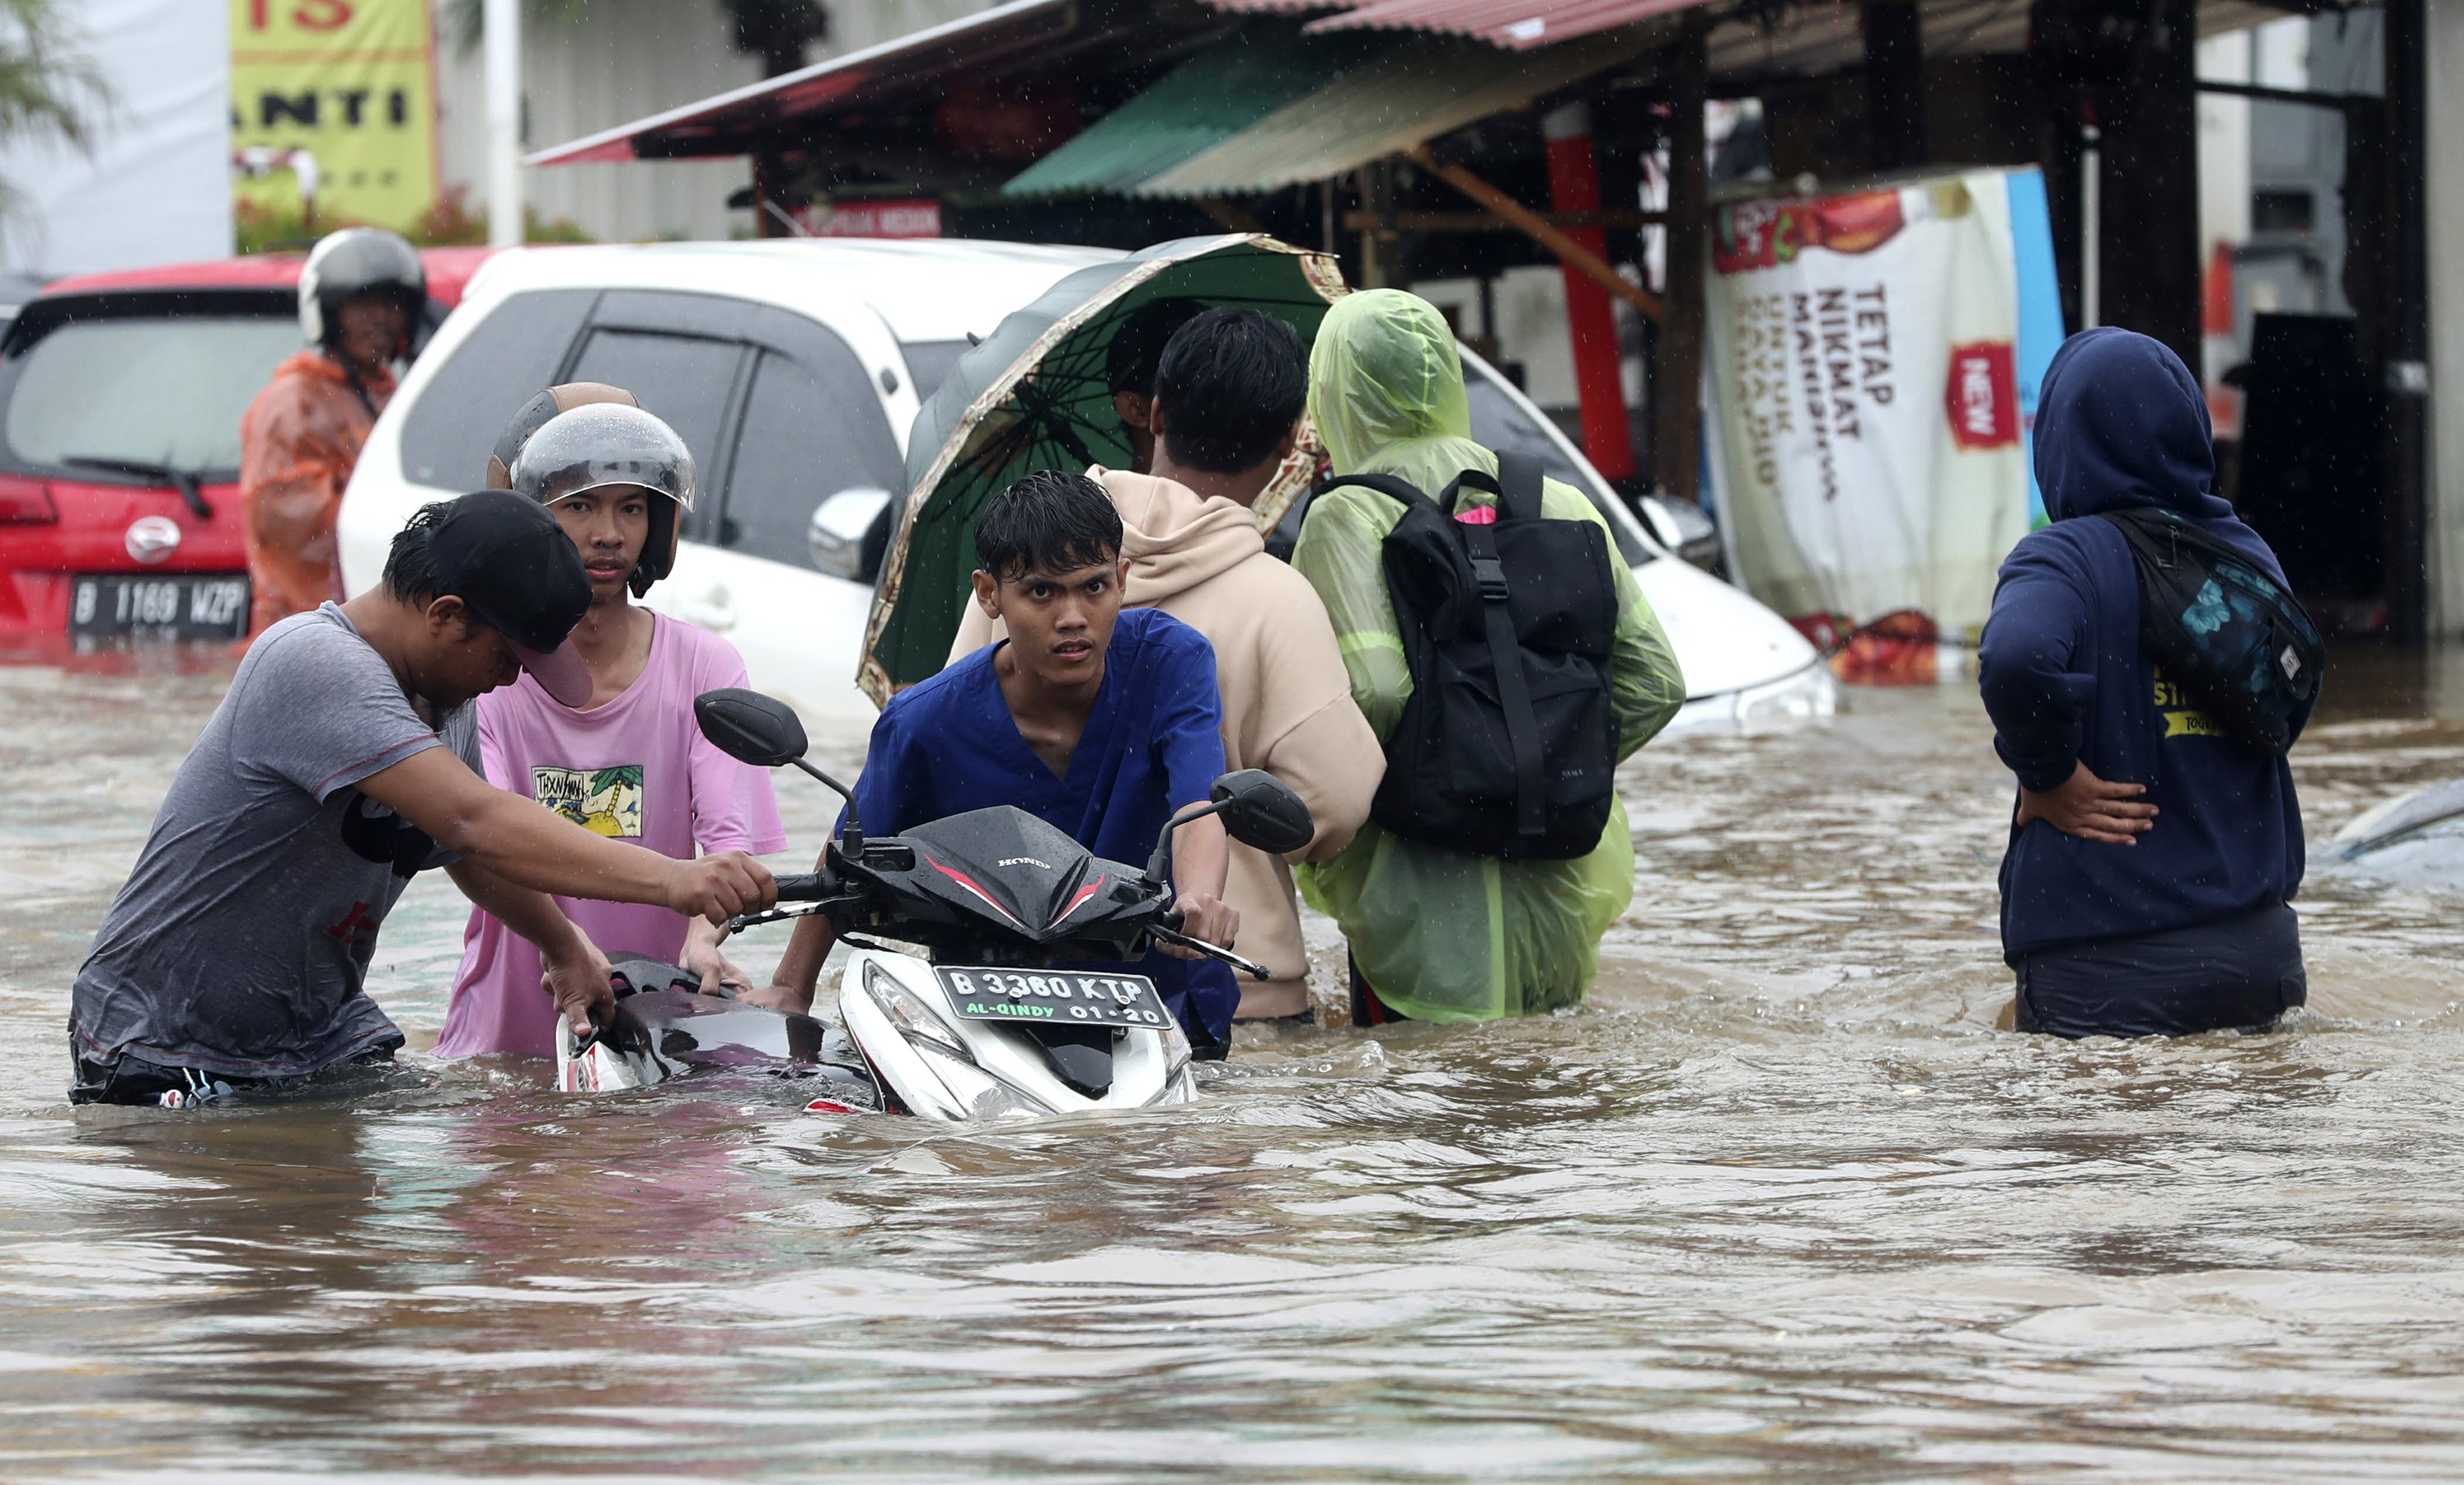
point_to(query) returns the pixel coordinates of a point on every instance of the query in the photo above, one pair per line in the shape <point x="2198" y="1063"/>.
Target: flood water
<point x="1781" y="1204"/>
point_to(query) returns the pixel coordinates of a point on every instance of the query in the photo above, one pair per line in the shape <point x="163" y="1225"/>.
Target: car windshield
<point x="153" y="390"/>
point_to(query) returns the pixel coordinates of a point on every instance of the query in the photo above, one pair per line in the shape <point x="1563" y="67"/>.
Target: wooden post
<point x="1677" y="388"/>
<point x="2403" y="355"/>
<point x="2148" y="255"/>
<point x="1895" y="112"/>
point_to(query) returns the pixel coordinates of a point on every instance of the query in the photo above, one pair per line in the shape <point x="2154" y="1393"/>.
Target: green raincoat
<point x="1442" y="936"/>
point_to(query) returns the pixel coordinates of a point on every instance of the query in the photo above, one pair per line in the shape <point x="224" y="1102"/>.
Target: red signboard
<point x="1983" y="397"/>
<point x="870" y="219"/>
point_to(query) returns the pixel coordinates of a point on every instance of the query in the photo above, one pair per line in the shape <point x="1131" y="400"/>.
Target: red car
<point x="121" y="397"/>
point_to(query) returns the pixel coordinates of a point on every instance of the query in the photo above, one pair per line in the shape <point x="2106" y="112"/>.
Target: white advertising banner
<point x="1866" y="400"/>
<point x="156" y="186"/>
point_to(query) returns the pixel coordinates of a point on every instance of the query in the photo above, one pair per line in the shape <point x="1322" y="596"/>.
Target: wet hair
<point x="409" y="570"/>
<point x="1232" y="382"/>
<point x="1049" y="522"/>
<point x="1130" y="361"/>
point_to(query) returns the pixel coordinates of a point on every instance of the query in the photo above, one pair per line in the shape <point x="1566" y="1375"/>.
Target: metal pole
<point x="2091" y="227"/>
<point x="502" y="39"/>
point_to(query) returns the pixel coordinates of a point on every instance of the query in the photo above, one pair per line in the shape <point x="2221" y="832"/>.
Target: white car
<point x="793" y="369"/>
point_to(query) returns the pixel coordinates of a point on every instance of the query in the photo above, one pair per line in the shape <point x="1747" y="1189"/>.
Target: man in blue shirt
<point x="1100" y="723"/>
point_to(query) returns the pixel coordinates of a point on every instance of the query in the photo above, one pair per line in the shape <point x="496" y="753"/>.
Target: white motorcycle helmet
<point x="613" y="443"/>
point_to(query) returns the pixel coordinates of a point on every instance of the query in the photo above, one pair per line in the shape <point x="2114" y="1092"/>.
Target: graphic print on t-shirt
<point x="604" y="801"/>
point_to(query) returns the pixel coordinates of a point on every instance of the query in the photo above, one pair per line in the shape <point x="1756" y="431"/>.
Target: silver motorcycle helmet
<point x="359" y="260"/>
<point x="610" y="443"/>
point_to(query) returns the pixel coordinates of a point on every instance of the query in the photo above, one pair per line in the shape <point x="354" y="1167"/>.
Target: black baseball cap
<point x="518" y="572"/>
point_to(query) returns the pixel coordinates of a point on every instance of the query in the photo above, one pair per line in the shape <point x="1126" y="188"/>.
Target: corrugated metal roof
<point x="1411" y="95"/>
<point x="1192" y="109"/>
<point x="1516" y="25"/>
<point x="719" y="123"/>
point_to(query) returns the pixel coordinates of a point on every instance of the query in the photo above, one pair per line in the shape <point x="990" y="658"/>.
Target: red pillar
<point x="1575" y="186"/>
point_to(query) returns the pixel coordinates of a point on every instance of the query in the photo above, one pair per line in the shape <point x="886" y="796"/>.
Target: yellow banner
<point x="339" y="95"/>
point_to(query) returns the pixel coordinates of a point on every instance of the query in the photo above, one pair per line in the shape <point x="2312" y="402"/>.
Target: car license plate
<point x="1054" y="997"/>
<point x="190" y="606"/>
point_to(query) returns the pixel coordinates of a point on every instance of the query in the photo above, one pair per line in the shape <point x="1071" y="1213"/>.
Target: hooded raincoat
<point x="1442" y="936"/>
<point x="298" y="443"/>
<point x="2121" y="424"/>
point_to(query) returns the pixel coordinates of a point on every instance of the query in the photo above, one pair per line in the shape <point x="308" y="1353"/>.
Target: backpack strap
<point x="1400" y="491"/>
<point x="1513" y="687"/>
<point x="1516" y="484"/>
<point x="1518" y="487"/>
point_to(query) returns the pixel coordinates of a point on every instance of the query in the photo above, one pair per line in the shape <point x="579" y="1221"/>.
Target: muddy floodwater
<point x="1782" y="1203"/>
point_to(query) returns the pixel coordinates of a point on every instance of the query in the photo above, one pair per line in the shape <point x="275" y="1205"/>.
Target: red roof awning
<point x="728" y="123"/>
<point x="1518" y="25"/>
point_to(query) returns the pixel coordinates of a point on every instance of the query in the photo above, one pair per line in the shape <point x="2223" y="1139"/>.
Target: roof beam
<point x="1531" y="223"/>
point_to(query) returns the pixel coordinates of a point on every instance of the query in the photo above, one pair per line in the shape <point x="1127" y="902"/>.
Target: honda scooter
<point x="955" y="1011"/>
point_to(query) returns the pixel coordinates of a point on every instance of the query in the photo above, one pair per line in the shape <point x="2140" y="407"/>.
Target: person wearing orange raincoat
<point x="360" y="293"/>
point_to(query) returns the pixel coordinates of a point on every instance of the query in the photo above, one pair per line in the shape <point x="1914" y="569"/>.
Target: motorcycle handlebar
<point x="804" y="886"/>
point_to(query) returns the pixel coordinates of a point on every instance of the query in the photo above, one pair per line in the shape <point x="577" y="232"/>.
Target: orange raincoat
<point x="298" y="443"/>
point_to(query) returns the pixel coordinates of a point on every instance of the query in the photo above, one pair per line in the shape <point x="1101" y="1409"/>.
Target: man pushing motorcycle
<point x="342" y="762"/>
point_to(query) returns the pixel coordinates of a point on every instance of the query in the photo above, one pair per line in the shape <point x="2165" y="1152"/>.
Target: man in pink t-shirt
<point x="633" y="763"/>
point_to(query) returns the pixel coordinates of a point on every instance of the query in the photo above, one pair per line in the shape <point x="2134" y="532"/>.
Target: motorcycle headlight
<point x="1176" y="1050"/>
<point x="913" y="1014"/>
<point x="1001" y="1101"/>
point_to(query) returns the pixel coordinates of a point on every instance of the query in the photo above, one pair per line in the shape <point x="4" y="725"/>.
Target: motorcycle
<point x="952" y="1005"/>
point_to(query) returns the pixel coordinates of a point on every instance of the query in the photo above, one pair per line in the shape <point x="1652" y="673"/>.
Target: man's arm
<point x="528" y="846"/>
<point x="576" y="973"/>
<point x="2028" y="669"/>
<point x="800" y="969"/>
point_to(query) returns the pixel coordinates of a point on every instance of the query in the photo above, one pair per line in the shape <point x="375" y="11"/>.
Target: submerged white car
<point x="793" y="370"/>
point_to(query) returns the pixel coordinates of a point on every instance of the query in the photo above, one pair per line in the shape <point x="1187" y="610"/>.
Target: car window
<point x="157" y="389"/>
<point x="684" y="379"/>
<point x="813" y="426"/>
<point x="509" y="359"/>
<point x="1499" y="422"/>
<point x="929" y="363"/>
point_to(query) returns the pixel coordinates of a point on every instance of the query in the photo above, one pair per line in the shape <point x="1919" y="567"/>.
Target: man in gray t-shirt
<point x="344" y="759"/>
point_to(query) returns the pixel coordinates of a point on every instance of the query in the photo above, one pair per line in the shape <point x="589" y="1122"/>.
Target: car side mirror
<point x="750" y="727"/>
<point x="1261" y="811"/>
<point x="840" y="534"/>
<point x="1680" y="528"/>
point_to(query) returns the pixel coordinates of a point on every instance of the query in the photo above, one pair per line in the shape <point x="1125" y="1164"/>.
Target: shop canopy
<point x="1518" y="25"/>
<point x="1238" y="120"/>
<point x="920" y="65"/>
<point x="1349" y="91"/>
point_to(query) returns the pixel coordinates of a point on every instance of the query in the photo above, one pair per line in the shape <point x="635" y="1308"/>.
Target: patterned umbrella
<point x="1036" y="395"/>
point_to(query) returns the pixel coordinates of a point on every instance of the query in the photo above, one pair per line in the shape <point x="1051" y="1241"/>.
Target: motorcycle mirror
<point x="1261" y="811"/>
<point x="750" y="727"/>
<point x="765" y="732"/>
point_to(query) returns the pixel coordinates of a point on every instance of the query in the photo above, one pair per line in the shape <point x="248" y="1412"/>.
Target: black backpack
<point x="1508" y="746"/>
<point x="2230" y="635"/>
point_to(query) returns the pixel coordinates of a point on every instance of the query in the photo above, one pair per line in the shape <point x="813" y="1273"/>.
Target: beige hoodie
<point x="1287" y="703"/>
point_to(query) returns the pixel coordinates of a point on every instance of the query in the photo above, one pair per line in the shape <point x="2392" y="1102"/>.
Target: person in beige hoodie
<point x="1228" y="396"/>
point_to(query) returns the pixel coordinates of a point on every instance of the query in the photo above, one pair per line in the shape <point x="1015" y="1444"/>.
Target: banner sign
<point x="1872" y="379"/>
<point x="335" y="101"/>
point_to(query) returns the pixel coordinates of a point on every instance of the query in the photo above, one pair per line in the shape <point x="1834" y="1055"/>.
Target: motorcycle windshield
<point x="1006" y="868"/>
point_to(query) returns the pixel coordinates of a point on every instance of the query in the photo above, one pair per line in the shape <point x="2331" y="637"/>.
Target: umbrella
<point x="1035" y="395"/>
